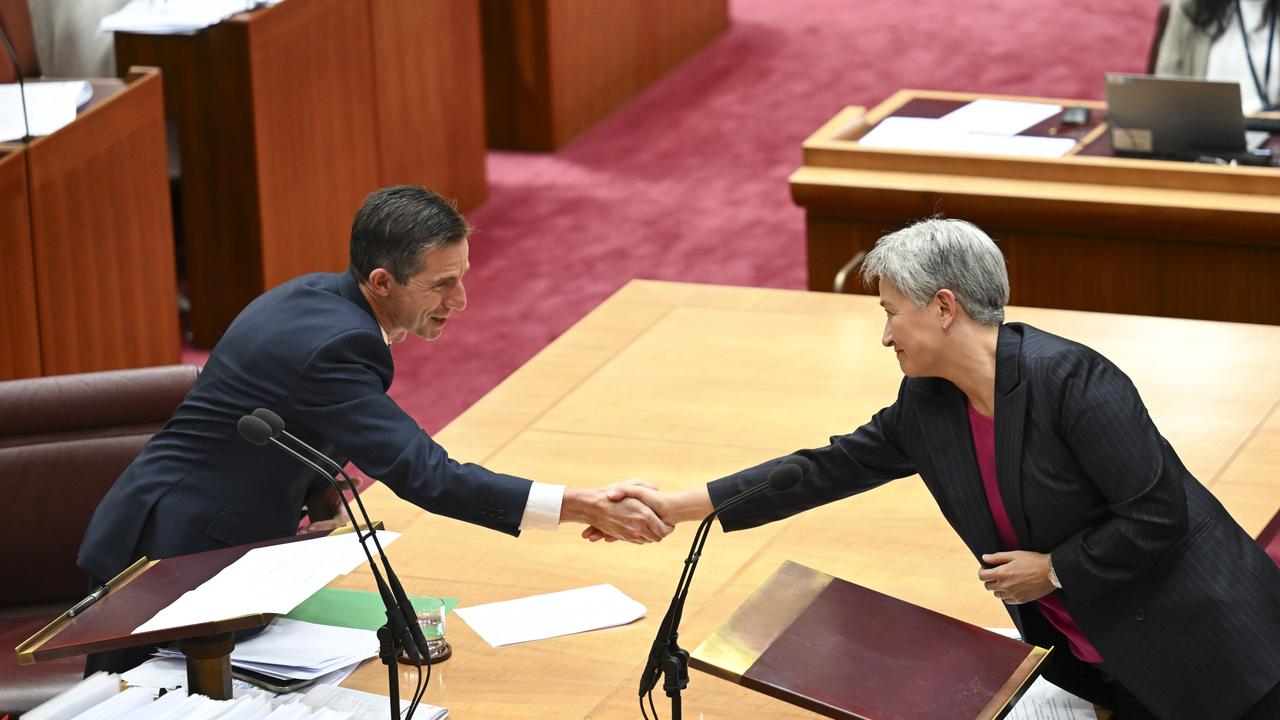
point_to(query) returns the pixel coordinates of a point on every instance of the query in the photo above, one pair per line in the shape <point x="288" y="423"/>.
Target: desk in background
<point x="683" y="383"/>
<point x="86" y="237"/>
<point x="553" y="68"/>
<point x="288" y="116"/>
<point x="1085" y="232"/>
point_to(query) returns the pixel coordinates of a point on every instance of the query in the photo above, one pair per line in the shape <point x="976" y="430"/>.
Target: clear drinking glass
<point x="431" y="612"/>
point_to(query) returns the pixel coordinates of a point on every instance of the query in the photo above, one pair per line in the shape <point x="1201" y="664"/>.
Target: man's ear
<point x="380" y="281"/>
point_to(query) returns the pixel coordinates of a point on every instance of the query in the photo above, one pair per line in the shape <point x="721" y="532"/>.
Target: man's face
<point x="423" y="304"/>
<point x="914" y="333"/>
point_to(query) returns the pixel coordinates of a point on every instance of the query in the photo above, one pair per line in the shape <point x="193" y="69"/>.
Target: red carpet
<point x="688" y="181"/>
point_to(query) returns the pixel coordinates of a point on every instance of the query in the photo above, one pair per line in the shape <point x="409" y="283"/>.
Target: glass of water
<point x="431" y="616"/>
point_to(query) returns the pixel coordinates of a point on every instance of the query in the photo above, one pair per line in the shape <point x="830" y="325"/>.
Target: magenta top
<point x="984" y="445"/>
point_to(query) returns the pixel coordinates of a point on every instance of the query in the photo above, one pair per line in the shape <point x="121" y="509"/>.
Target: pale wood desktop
<point x="683" y="383"/>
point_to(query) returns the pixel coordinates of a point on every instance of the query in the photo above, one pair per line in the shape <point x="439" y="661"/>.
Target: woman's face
<point x="914" y="333"/>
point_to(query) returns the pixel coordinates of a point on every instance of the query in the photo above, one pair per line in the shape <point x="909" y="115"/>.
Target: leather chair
<point x="63" y="441"/>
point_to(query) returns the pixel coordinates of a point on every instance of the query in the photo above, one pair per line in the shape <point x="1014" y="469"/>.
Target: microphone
<point x="665" y="656"/>
<point x="259" y="432"/>
<point x="22" y="86"/>
<point x="276" y="425"/>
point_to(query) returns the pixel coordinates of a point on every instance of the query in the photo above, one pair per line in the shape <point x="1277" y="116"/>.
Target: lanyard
<point x="1261" y="86"/>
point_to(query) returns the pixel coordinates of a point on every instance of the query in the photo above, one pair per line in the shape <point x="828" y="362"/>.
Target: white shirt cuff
<point x="542" y="511"/>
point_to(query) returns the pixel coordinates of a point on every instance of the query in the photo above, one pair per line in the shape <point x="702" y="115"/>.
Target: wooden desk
<point x="86" y="235"/>
<point x="553" y="68"/>
<point x="1086" y="232"/>
<point x="683" y="383"/>
<point x="288" y="116"/>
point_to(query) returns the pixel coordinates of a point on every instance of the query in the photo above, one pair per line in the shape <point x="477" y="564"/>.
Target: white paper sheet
<point x="95" y="689"/>
<point x="363" y="705"/>
<point x="173" y="17"/>
<point x="551" y="615"/>
<point x="50" y="107"/>
<point x="908" y="133"/>
<point x="1046" y="701"/>
<point x="999" y="117"/>
<point x="273" y="579"/>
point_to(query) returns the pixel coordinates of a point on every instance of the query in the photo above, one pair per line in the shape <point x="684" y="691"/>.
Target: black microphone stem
<point x="397" y="589"/>
<point x="399" y="623"/>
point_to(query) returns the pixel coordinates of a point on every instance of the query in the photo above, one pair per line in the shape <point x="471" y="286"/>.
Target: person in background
<point x="1041" y="455"/>
<point x="1229" y="40"/>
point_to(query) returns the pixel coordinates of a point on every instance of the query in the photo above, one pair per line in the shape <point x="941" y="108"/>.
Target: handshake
<point x="632" y="510"/>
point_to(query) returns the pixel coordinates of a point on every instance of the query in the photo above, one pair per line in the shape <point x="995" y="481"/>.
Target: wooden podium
<point x="86" y="234"/>
<point x="845" y="651"/>
<point x="1083" y="232"/>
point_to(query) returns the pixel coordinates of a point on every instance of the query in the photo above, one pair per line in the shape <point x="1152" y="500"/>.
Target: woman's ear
<point x="948" y="308"/>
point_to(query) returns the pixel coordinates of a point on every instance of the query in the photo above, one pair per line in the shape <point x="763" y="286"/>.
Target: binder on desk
<point x="845" y="651"/>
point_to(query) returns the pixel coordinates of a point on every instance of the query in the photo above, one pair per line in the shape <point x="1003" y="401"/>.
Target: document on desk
<point x="174" y="17"/>
<point x="545" y="616"/>
<point x="273" y="579"/>
<point x="934" y="135"/>
<point x="50" y="106"/>
<point x="999" y="117"/>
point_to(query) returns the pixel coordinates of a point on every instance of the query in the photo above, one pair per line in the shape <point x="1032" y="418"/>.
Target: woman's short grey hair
<point x="921" y="259"/>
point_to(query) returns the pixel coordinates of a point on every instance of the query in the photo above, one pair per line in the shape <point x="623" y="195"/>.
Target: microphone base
<point x="441" y="650"/>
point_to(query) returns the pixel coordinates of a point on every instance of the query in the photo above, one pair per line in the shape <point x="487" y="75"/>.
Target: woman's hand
<point x="1017" y="577"/>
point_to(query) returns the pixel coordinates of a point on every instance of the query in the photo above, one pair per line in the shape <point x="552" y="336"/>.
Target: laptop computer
<point x="1171" y="117"/>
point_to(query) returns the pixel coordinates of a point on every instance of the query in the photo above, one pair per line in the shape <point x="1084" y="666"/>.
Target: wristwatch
<point x="1053" y="576"/>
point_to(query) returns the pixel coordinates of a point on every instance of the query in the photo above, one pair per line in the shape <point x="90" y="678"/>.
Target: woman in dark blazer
<point x="1042" y="456"/>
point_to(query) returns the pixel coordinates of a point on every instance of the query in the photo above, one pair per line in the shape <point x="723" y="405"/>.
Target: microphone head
<point x="273" y="421"/>
<point x="785" y="476"/>
<point x="254" y="429"/>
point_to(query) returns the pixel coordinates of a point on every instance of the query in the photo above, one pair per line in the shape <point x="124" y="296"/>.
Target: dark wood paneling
<point x="314" y="127"/>
<point x="1213" y="282"/>
<point x="19" y="325"/>
<point x="102" y="237"/>
<point x="289" y="116"/>
<point x="430" y="96"/>
<point x="553" y="68"/>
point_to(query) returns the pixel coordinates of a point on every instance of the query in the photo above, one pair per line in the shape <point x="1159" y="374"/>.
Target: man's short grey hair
<point x="934" y="254"/>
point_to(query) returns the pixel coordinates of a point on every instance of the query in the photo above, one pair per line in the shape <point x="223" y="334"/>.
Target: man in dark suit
<point x="316" y="350"/>
<point x="1042" y="457"/>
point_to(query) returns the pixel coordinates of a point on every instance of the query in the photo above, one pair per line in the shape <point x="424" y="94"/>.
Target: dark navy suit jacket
<point x="1183" y="606"/>
<point x="312" y="351"/>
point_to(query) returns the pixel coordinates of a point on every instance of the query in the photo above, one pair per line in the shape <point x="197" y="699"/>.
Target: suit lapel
<point x="944" y="422"/>
<point x="1011" y="413"/>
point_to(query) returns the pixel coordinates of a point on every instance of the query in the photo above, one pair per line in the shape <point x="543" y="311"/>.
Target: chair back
<point x="64" y="440"/>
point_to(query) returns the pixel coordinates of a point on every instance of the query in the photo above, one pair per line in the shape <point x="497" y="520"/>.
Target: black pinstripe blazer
<point x="1183" y="606"/>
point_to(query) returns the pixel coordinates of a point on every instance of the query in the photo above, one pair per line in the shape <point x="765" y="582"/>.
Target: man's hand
<point x="671" y="508"/>
<point x="1018" y="577"/>
<point x="624" y="519"/>
<point x="332" y="523"/>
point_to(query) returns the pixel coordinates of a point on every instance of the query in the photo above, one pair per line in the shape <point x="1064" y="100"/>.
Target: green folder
<point x="351" y="608"/>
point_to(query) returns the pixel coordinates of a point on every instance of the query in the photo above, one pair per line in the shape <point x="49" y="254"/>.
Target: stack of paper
<point x="49" y="107"/>
<point x="291" y="649"/>
<point x="551" y="615"/>
<point x="273" y="579"/>
<point x="100" y="698"/>
<point x="174" y="17"/>
<point x="988" y="127"/>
